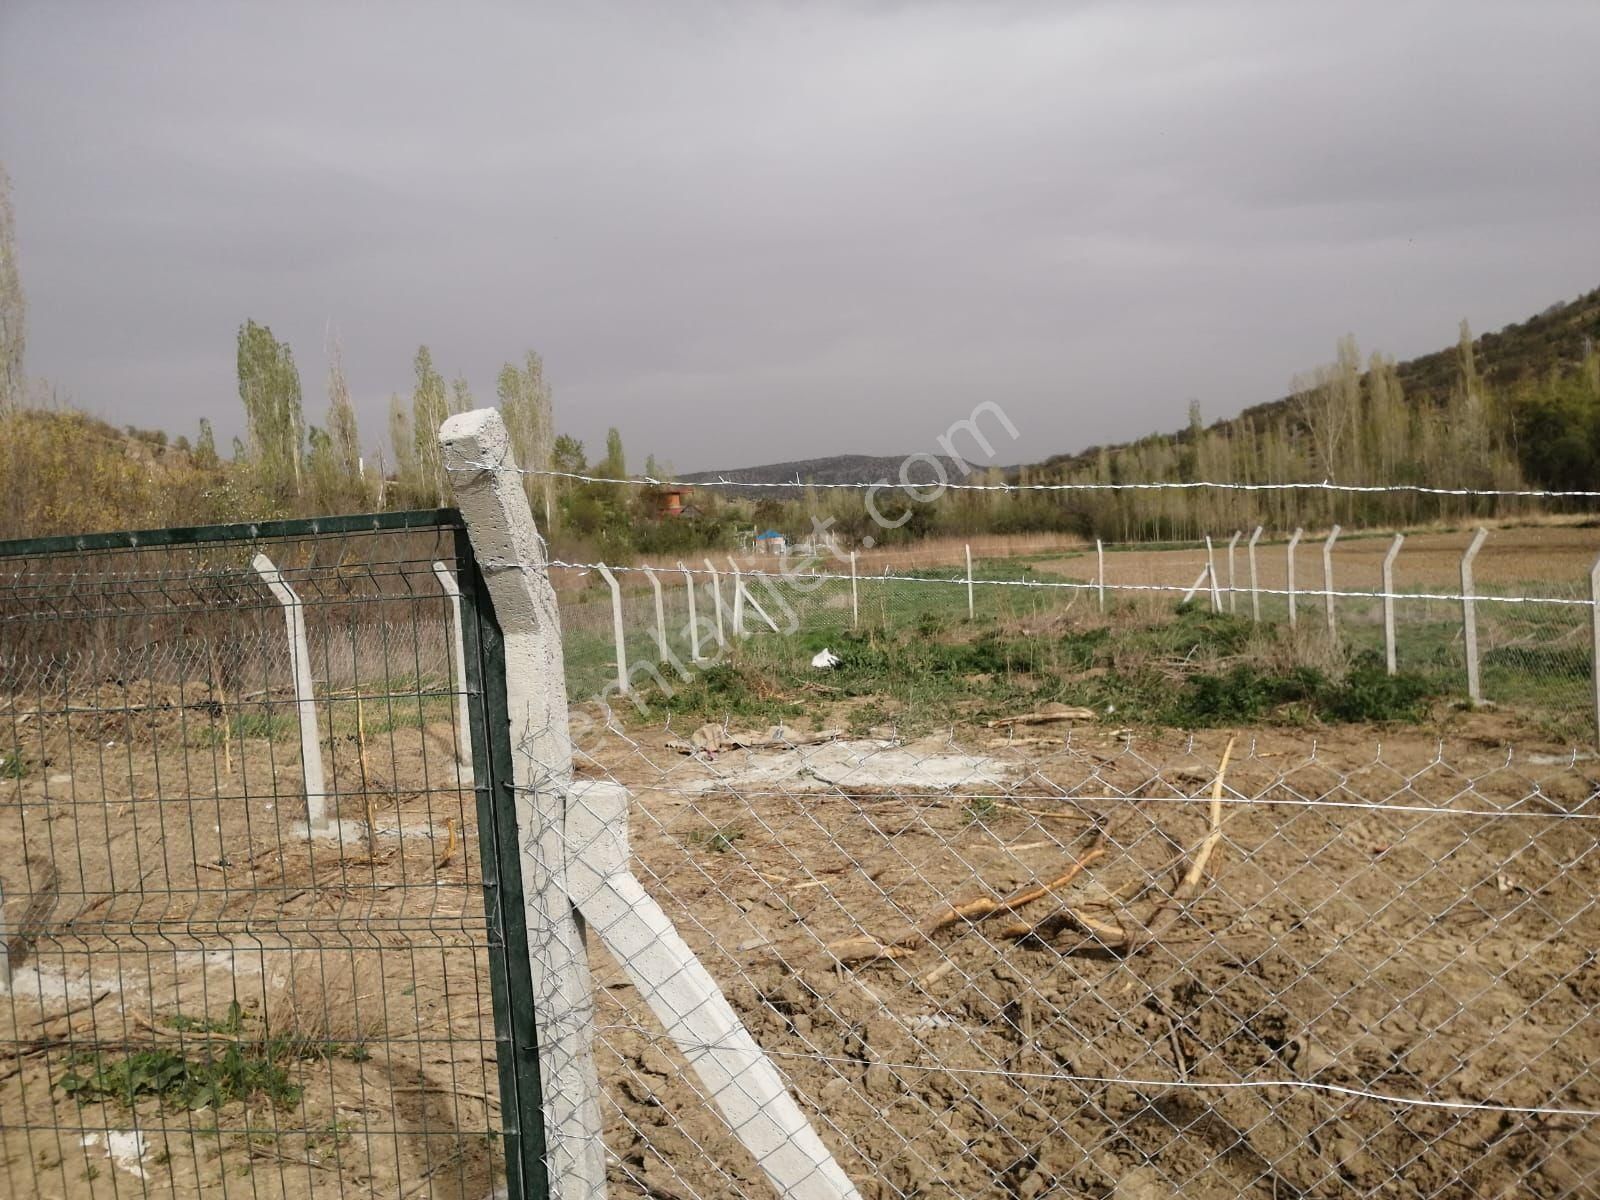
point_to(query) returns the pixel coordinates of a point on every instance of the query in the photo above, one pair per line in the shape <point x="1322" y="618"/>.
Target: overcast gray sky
<point x="750" y="232"/>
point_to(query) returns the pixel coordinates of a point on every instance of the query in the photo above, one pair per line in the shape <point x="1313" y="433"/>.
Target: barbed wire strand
<point x="1154" y="485"/>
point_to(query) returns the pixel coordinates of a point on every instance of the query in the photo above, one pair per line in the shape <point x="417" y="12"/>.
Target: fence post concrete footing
<point x="305" y="699"/>
<point x="500" y="525"/>
<point x="458" y="672"/>
<point x="1469" y="616"/>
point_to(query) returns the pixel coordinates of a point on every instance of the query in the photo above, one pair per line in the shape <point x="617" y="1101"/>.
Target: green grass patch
<point x="185" y="1077"/>
<point x="1194" y="669"/>
<point x="13" y="766"/>
<point x="1248" y="694"/>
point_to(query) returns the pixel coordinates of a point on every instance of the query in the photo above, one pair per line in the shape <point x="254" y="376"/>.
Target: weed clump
<point x="1248" y="693"/>
<point x="184" y="1077"/>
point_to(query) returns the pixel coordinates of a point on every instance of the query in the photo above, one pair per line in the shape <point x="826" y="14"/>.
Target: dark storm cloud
<point x="745" y="233"/>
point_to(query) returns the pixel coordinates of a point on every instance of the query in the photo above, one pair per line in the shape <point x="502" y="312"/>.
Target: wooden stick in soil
<point x="216" y="690"/>
<point x="988" y="906"/>
<point x="867" y="948"/>
<point x="1164" y="915"/>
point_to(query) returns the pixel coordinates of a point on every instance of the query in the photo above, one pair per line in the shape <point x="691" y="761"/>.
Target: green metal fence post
<point x="515" y="1028"/>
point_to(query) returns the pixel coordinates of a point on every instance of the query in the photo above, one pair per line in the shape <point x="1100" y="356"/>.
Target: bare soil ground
<point x="1413" y="953"/>
<point x="1397" y="950"/>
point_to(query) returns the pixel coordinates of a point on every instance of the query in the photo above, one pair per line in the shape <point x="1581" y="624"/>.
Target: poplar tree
<point x="430" y="405"/>
<point x="269" y="387"/>
<point x="13" y="308"/>
<point x="402" y="442"/>
<point x="525" y="406"/>
<point x="344" y="436"/>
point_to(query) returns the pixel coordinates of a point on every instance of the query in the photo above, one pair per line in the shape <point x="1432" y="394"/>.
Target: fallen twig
<point x="986" y="906"/>
<point x="866" y="948"/>
<point x="1117" y="937"/>
<point x="450" y="844"/>
<point x="1048" y="715"/>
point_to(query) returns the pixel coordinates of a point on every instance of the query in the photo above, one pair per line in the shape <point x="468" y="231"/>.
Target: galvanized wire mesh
<point x="1044" y="961"/>
<point x="211" y="992"/>
<point x="998" y="945"/>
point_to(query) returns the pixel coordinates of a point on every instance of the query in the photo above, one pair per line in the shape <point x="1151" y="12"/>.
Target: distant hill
<point x="839" y="468"/>
<point x="1554" y="340"/>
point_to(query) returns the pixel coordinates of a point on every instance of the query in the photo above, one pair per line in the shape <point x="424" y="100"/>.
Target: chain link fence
<point x="1050" y="961"/>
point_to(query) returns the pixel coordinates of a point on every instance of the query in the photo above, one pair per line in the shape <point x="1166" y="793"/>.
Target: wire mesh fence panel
<point x="1118" y="965"/>
<point x="246" y="945"/>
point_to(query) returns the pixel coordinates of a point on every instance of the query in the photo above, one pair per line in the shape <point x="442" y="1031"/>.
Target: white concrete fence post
<point x="1205" y="573"/>
<point x="1100" y="572"/>
<point x="1288" y="555"/>
<point x="1233" y="592"/>
<point x="972" y="611"/>
<point x="855" y="595"/>
<point x="458" y="673"/>
<point x="1211" y="569"/>
<point x="738" y="599"/>
<point x="618" y="634"/>
<point x="663" y="652"/>
<point x="500" y="526"/>
<point x="694" y="617"/>
<point x="1327" y="580"/>
<point x="749" y="598"/>
<point x="1389" y="656"/>
<point x="1594" y="640"/>
<point x="716" y="598"/>
<point x="305" y="696"/>
<point x="1255" y="588"/>
<point x="1469" y="616"/>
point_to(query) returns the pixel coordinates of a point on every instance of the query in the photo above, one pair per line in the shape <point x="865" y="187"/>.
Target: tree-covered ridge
<point x="1512" y="410"/>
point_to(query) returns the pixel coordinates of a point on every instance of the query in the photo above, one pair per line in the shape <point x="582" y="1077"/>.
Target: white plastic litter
<point x="827" y="660"/>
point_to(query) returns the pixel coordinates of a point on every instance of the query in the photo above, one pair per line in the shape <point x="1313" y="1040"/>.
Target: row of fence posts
<point x="318" y="821"/>
<point x="1220" y="599"/>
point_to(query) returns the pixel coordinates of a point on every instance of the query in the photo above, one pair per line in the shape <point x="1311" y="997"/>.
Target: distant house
<point x="670" y="502"/>
<point x="771" y="542"/>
